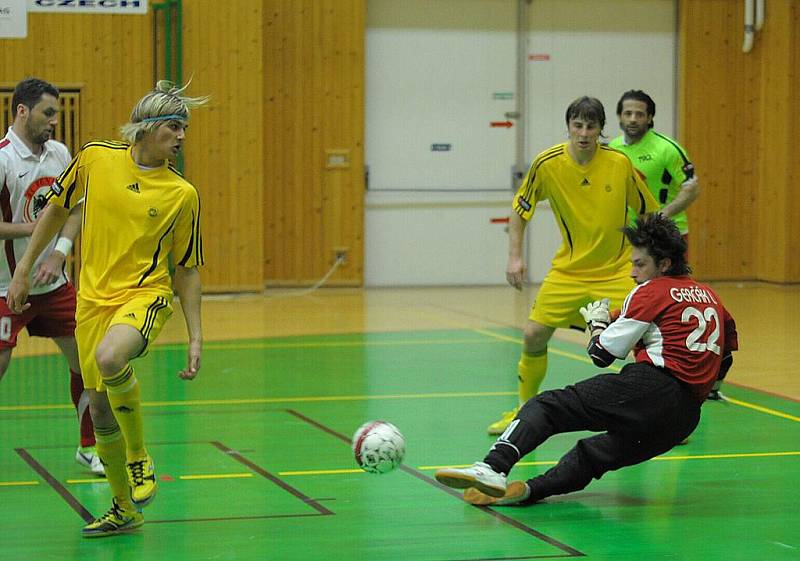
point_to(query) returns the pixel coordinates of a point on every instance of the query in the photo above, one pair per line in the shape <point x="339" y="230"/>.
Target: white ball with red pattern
<point x="378" y="446"/>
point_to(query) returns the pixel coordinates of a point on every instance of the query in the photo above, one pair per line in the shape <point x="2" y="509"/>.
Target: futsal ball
<point x="379" y="447"/>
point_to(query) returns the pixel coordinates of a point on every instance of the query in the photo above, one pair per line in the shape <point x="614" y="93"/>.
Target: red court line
<point x="277" y="481"/>
<point x="88" y="517"/>
<point x="56" y="485"/>
<point x="569" y="551"/>
<point x="759" y="390"/>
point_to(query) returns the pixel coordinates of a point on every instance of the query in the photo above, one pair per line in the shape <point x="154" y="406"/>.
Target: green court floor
<point x="254" y="462"/>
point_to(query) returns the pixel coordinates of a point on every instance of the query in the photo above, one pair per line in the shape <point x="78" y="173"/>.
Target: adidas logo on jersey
<point x="133" y="187"/>
<point x="130" y="315"/>
<point x="585" y="182"/>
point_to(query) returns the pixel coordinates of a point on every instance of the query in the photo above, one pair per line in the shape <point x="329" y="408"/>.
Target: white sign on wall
<point x="88" y="6"/>
<point x="13" y="19"/>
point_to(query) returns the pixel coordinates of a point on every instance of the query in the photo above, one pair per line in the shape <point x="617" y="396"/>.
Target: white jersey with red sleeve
<point x="25" y="179"/>
<point x="677" y="324"/>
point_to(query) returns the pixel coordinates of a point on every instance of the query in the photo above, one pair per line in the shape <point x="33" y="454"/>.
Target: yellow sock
<point x="124" y="395"/>
<point x="531" y="371"/>
<point x="110" y="447"/>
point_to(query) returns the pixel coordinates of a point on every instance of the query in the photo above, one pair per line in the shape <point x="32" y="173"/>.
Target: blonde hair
<point x="164" y="103"/>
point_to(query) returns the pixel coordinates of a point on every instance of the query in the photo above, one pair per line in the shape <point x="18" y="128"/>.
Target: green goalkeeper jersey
<point x="664" y="164"/>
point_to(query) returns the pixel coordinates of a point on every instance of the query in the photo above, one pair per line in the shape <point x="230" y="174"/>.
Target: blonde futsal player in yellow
<point x="590" y="187"/>
<point x="138" y="210"/>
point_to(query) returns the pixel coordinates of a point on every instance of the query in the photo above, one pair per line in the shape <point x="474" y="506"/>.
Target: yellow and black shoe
<point x="115" y="521"/>
<point x="501" y="425"/>
<point x="142" y="476"/>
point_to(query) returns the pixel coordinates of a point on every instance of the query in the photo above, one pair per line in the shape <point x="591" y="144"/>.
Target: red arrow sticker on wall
<point x="539" y="56"/>
<point x="504" y="124"/>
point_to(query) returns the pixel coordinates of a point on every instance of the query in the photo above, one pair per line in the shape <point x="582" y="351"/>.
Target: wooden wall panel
<point x="779" y="168"/>
<point x="286" y="80"/>
<point x="314" y="90"/>
<point x="107" y="56"/>
<point x="737" y="114"/>
<point x="224" y="158"/>
<point x="111" y="58"/>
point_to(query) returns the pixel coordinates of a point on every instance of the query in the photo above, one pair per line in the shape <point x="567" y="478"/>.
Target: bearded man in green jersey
<point x="667" y="169"/>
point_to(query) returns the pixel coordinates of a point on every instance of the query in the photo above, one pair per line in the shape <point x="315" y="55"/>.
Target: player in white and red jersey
<point x="682" y="337"/>
<point x="30" y="161"/>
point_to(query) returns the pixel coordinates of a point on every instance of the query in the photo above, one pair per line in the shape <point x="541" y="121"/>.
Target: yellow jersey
<point x="590" y="204"/>
<point x="133" y="218"/>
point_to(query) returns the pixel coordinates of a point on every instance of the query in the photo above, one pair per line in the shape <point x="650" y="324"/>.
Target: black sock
<point x="506" y="451"/>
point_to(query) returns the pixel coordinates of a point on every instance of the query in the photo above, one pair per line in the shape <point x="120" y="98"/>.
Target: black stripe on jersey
<point x="642" y="204"/>
<point x="548" y="155"/>
<point x="67" y="171"/>
<point x="624" y="223"/>
<point x="156" y="253"/>
<point x="569" y="236"/>
<point x="111" y="144"/>
<point x="675" y="145"/>
<point x="557" y="212"/>
<point x="175" y="170"/>
<point x="85" y="209"/>
<point x="150" y="317"/>
<point x="199" y="237"/>
<point x="189" y="248"/>
<point x="558" y="148"/>
<point x="60" y="180"/>
<point x="70" y="192"/>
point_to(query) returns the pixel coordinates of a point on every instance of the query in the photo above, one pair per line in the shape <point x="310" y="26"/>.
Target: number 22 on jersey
<point x="704" y="318"/>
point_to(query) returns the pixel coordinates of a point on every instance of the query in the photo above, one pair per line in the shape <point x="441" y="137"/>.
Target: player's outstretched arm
<point x="48" y="224"/>
<point x="187" y="285"/>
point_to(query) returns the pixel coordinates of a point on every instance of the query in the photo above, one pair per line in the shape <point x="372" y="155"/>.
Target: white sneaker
<point x="480" y="476"/>
<point x="90" y="460"/>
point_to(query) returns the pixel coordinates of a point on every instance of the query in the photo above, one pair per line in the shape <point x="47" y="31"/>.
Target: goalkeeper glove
<point x="596" y="314"/>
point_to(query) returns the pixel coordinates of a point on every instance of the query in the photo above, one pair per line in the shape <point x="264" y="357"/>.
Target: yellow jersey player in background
<point x="590" y="188"/>
<point x="137" y="211"/>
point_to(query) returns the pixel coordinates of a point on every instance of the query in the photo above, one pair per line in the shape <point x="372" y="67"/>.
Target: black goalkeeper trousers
<point x="642" y="412"/>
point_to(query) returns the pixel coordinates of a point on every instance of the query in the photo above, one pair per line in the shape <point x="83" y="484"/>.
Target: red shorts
<point x="50" y="315"/>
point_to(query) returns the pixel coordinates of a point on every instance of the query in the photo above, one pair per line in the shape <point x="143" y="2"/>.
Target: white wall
<point x="436" y="240"/>
<point x="601" y="49"/>
<point x="432" y="69"/>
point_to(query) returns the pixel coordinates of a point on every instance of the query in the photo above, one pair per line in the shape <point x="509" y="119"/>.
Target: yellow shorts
<point x="560" y="297"/>
<point x="146" y="313"/>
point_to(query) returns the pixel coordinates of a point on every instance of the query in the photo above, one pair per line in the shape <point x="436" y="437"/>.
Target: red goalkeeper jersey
<point x="677" y="324"/>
